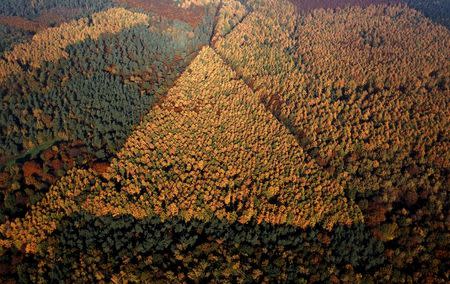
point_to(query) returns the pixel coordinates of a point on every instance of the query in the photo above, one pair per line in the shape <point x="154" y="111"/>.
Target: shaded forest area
<point x="21" y="19"/>
<point x="436" y="10"/>
<point x="303" y="145"/>
<point x="119" y="249"/>
<point x="34" y="8"/>
<point x="90" y="96"/>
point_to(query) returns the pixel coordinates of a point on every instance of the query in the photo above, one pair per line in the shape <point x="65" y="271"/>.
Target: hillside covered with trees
<point x="224" y="141"/>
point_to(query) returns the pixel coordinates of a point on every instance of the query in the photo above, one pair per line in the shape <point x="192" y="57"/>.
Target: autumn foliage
<point x="305" y="6"/>
<point x="167" y="8"/>
<point x="172" y="166"/>
<point x="302" y="145"/>
<point x="49" y="45"/>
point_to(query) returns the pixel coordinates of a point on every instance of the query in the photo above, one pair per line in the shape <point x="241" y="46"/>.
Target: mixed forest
<point x="226" y="141"/>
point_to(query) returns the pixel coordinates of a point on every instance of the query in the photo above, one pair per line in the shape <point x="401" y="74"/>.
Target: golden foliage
<point x="210" y="149"/>
<point x="50" y="44"/>
<point x="365" y="91"/>
<point x="230" y="14"/>
<point x="186" y="4"/>
<point x="393" y="44"/>
<point x="60" y="201"/>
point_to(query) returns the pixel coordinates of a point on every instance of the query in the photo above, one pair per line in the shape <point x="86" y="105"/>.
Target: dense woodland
<point x="94" y="91"/>
<point x="264" y="141"/>
<point x="21" y="19"/>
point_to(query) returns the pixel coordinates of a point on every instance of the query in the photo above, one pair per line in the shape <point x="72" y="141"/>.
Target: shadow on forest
<point x="438" y="11"/>
<point x="85" y="97"/>
<point x="153" y="249"/>
<point x="86" y="105"/>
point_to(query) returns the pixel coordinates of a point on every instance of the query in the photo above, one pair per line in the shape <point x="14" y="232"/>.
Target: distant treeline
<point x="32" y="8"/>
<point x="437" y="10"/>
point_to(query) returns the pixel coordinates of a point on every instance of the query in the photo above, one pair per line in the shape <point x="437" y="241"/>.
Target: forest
<point x="224" y="141"/>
